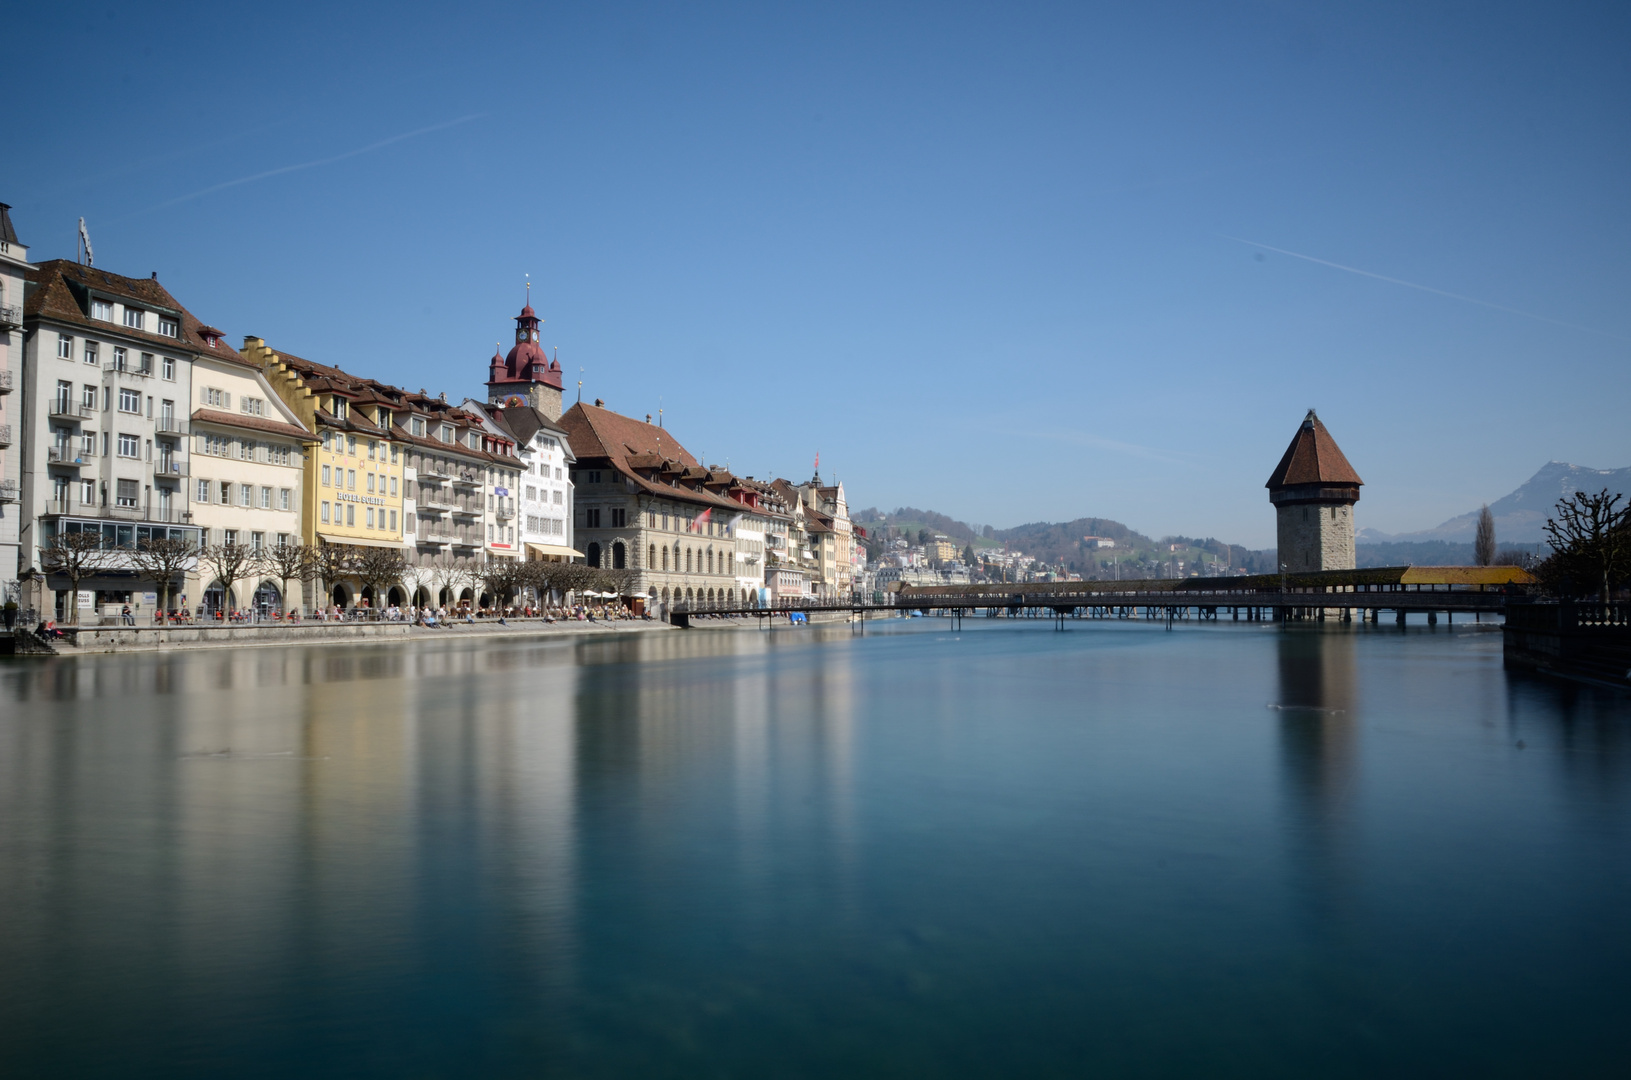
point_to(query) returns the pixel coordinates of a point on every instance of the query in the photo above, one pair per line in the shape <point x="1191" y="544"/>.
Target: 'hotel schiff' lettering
<point x="368" y="500"/>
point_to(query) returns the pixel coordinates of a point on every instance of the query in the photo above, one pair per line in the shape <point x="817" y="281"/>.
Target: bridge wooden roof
<point x="1313" y="458"/>
<point x="1371" y="577"/>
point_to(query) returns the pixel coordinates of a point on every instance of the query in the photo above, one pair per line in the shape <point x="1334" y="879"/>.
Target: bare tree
<point x="161" y="561"/>
<point x="76" y="556"/>
<point x="290" y="562"/>
<point x="230" y="564"/>
<point x="501" y="577"/>
<point x="1483" y="545"/>
<point x="1591" y="541"/>
<point x="330" y="563"/>
<point x="380" y="568"/>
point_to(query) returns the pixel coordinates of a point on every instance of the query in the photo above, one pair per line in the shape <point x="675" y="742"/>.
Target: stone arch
<point x="620" y="558"/>
<point x="421" y="597"/>
<point x="268" y="597"/>
<point x="340" y="595"/>
<point x="217" y="597"/>
<point x="665" y="557"/>
<point x="396" y="596"/>
<point x="690" y="596"/>
<point x="591" y="554"/>
<point x="710" y="560"/>
<point x="652" y="561"/>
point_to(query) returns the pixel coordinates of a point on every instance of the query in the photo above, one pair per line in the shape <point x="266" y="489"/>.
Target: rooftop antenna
<point x="84" y="245"/>
<point x="659" y="411"/>
<point x="580" y="385"/>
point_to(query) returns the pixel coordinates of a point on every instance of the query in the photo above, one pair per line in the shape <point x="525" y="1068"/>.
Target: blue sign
<point x="501" y="491"/>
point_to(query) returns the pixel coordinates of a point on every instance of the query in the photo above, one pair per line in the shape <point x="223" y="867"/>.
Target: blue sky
<point x="978" y="257"/>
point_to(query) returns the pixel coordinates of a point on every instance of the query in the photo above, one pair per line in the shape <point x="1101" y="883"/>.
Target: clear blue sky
<point x="977" y="256"/>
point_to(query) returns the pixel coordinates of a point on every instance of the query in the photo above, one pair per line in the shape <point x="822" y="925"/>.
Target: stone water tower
<point x="1313" y="491"/>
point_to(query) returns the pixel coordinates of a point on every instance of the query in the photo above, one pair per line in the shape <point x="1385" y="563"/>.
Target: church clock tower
<point x="526" y="376"/>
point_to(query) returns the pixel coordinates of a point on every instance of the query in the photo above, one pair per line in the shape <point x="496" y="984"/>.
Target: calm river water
<point x="1227" y="850"/>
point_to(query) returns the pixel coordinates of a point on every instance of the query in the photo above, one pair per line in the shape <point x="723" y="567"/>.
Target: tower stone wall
<point x="1316" y="536"/>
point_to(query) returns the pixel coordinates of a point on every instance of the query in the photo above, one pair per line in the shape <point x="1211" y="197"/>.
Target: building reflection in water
<point x="1318" y="707"/>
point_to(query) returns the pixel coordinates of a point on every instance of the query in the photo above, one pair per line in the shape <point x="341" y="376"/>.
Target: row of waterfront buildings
<point x="124" y="416"/>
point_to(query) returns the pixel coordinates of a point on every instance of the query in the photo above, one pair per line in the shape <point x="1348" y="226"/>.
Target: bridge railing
<point x="1568" y="615"/>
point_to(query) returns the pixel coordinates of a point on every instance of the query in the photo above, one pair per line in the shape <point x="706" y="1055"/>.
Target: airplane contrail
<point x="311" y="164"/>
<point x="1423" y="288"/>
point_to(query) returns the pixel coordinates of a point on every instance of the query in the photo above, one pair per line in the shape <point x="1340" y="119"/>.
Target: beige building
<point x="248" y="463"/>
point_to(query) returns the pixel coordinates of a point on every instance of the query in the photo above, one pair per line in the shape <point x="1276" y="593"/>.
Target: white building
<point x="13" y="267"/>
<point x="542" y="495"/>
<point x="107" y="369"/>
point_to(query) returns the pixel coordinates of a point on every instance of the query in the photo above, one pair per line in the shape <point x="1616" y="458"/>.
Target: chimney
<point x="600" y="403"/>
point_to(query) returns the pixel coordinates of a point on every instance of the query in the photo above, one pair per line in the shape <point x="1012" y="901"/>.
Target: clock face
<point x="513" y="402"/>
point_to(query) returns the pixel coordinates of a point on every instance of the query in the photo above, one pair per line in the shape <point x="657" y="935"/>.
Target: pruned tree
<point x="1591" y="543"/>
<point x="379" y="568"/>
<point x="501" y="578"/>
<point x="330" y="563"/>
<point x="76" y="556"/>
<point x="1483" y="544"/>
<point x="290" y="562"/>
<point x="162" y="561"/>
<point x="229" y="564"/>
<point x="448" y="575"/>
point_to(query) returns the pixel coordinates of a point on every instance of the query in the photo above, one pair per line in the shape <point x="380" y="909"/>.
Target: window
<point x="215" y="398"/>
<point x="126" y="492"/>
<point x="393" y="485"/>
<point x="257" y="542"/>
<point x="135" y="317"/>
<point x="119" y="363"/>
<point x="557" y="498"/>
<point x="90" y="353"/>
<point x="252" y="406"/>
<point x="351" y="445"/>
<point x="168" y="368"/>
<point x="226" y="493"/>
<point x="326" y="476"/>
<point x="651" y="557"/>
<point x="229" y="537"/>
<point x="147" y="364"/>
<point x="203" y="492"/>
<point x="395" y="450"/>
<point x="351" y="514"/>
<point x="351" y="479"/>
<point x="284" y="498"/>
<point x="130" y="401"/>
<point x="87" y="444"/>
<point x="373" y="449"/>
<point x="282" y="540"/>
<point x="417" y="426"/>
<point x="246" y="449"/>
<point x="65" y="346"/>
<point x="369" y="520"/>
<point x="323" y="510"/>
<point x="532" y="493"/>
<point x="619" y="556"/>
<point x="619" y="517"/>
<point x="246" y="492"/>
<point x="87" y="492"/>
<point x="102" y="309"/>
<point x="328" y="438"/>
<point x="129" y="446"/>
<point x="266" y="498"/>
<point x="557" y="474"/>
<point x="591" y="519"/>
<point x="370" y="483"/>
<point x="169" y="327"/>
<point x="393" y="520"/>
<point x="447" y="433"/>
<point x="490" y="534"/>
<point x="216" y="445"/>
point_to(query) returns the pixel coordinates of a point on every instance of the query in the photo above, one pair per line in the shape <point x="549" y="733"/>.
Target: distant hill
<point x="1519" y="516"/>
<point x="1060" y="543"/>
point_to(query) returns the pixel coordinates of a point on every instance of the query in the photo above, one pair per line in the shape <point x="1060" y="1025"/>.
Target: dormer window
<point x="135" y="318"/>
<point x="447" y="433"/>
<point x="102" y="309"/>
<point x="172" y="328"/>
<point x="417" y="426"/>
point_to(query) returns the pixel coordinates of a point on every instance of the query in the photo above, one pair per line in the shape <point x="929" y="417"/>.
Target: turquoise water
<point x="1227" y="850"/>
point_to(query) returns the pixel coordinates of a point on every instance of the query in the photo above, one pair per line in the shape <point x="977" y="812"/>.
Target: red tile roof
<point x="1313" y="458"/>
<point x="61" y="294"/>
<point x="638" y="449"/>
<point x="254" y="423"/>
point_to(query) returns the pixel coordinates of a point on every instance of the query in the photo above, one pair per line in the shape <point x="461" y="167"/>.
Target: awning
<point x="550" y="551"/>
<point x="356" y="541"/>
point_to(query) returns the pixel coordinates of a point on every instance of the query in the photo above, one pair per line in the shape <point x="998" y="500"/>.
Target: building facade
<point x="1314" y="490"/>
<point x="247" y="473"/>
<point x="542" y="496"/>
<point x="13" y="272"/>
<point x="107" y="378"/>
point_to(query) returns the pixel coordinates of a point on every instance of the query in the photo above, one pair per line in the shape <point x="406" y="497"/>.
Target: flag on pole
<point x="696" y="525"/>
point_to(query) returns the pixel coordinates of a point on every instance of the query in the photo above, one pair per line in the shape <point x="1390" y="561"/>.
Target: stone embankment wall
<point x="1587" y="642"/>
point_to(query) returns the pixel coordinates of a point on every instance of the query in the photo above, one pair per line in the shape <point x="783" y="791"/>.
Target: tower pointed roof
<point x="1313" y="458"/>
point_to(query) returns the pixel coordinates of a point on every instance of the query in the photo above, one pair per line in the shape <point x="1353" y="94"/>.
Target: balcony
<point x="466" y="512"/>
<point x="66" y="456"/>
<point x="5" y="381"/>
<point x="469" y="480"/>
<point x="504" y="514"/>
<point x="166" y="467"/>
<point x="65" y="409"/>
<point x="11" y="316"/>
<point x="170" y="425"/>
<point x="79" y="509"/>
<point x="5" y="435"/>
<point x="8" y="491"/>
<point x="437" y="502"/>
